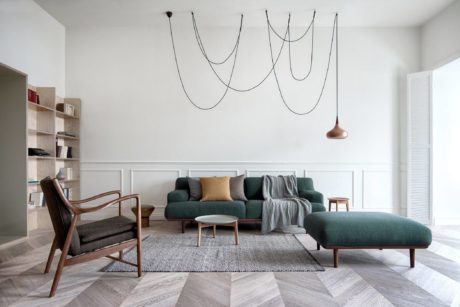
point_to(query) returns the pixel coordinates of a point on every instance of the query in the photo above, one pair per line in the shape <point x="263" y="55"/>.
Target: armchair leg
<point x="59" y="270"/>
<point x="51" y="255"/>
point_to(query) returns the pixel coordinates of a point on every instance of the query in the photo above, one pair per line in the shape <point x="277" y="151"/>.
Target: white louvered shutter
<point x="419" y="147"/>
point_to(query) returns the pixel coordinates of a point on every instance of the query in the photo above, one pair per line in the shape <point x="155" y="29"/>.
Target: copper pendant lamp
<point x="337" y="132"/>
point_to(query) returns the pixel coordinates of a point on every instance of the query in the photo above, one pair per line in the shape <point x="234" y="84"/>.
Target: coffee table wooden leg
<point x="336" y="206"/>
<point x="329" y="205"/>
<point x="348" y="206"/>
<point x="214" y="231"/>
<point x="237" y="240"/>
<point x="199" y="235"/>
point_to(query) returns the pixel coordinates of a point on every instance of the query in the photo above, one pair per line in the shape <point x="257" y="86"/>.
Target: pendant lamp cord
<point x="325" y="77"/>
<point x="180" y="75"/>
<point x="336" y="25"/>
<point x="203" y="51"/>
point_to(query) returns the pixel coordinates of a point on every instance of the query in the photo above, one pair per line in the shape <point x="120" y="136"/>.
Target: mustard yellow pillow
<point x="215" y="188"/>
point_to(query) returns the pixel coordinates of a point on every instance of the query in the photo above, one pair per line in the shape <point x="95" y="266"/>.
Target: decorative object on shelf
<point x="146" y="211"/>
<point x="66" y="108"/>
<point x="336" y="133"/>
<point x="65" y="173"/>
<point x="38" y="152"/>
<point x="67" y="133"/>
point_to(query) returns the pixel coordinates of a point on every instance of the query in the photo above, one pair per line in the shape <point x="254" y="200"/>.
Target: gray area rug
<point x="256" y="253"/>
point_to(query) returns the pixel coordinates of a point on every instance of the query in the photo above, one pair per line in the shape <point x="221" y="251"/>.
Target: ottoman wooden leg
<point x="336" y="257"/>
<point x="412" y="257"/>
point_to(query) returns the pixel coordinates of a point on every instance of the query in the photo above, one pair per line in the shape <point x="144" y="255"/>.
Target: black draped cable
<point x="180" y="76"/>
<point x="294" y="40"/>
<point x="325" y="78"/>
<point x="312" y="27"/>
<point x="200" y="44"/>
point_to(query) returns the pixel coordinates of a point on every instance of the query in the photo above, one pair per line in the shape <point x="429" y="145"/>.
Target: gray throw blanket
<point x="282" y="205"/>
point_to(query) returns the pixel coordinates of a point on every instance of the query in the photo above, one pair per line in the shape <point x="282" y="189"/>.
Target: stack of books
<point x="63" y="151"/>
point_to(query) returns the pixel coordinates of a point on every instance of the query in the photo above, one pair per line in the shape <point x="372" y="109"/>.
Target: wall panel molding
<point x="358" y="181"/>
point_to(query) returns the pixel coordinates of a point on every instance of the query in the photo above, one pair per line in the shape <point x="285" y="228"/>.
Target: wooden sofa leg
<point x="183" y="226"/>
<point x="318" y="247"/>
<point x="412" y="257"/>
<point x="336" y="257"/>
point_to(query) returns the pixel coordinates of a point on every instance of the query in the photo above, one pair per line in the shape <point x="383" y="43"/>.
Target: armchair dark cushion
<point x="104" y="228"/>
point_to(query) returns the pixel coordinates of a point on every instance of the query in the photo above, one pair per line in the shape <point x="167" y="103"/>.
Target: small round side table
<point x="146" y="211"/>
<point x="337" y="201"/>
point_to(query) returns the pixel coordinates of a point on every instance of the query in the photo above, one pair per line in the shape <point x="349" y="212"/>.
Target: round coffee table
<point x="214" y="220"/>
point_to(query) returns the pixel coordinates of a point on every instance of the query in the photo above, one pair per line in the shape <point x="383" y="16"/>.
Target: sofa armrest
<point x="312" y="196"/>
<point x="178" y="196"/>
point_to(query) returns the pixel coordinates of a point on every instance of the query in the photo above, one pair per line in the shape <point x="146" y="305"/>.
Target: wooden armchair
<point x="89" y="241"/>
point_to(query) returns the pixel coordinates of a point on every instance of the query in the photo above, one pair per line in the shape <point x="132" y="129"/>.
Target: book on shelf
<point x="64" y="151"/>
<point x="37" y="199"/>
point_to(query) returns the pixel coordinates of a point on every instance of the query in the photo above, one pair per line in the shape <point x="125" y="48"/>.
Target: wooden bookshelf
<point x="44" y="123"/>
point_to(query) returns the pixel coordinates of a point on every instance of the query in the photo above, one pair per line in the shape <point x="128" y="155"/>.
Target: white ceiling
<point x="373" y="13"/>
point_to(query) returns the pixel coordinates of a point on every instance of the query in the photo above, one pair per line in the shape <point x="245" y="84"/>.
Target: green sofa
<point x="366" y="230"/>
<point x="180" y="208"/>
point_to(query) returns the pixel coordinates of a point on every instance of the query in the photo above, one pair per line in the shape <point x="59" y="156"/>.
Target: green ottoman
<point x="366" y="230"/>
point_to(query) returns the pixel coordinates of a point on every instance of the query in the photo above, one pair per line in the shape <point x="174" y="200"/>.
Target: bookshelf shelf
<point x="44" y="122"/>
<point x="39" y="107"/>
<point x="64" y="115"/>
<point x="61" y="136"/>
<point x="40" y="132"/>
<point x="41" y="158"/>
<point x="67" y="159"/>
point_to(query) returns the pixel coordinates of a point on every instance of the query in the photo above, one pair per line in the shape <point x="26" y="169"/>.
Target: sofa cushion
<point x="104" y="228"/>
<point x="254" y="209"/>
<point x="192" y="209"/>
<point x="194" y="185"/>
<point x="253" y="188"/>
<point x="215" y="188"/>
<point x="237" y="188"/>
<point x="360" y="229"/>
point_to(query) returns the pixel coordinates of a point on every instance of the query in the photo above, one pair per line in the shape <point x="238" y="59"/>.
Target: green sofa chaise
<point x="180" y="208"/>
<point x="366" y="230"/>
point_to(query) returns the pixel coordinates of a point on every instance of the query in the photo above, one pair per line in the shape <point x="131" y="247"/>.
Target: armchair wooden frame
<point x="77" y="211"/>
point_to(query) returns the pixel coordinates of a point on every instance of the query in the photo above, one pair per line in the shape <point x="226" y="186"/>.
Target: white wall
<point x="440" y="42"/>
<point x="33" y="42"/>
<point x="139" y="132"/>
<point x="446" y="144"/>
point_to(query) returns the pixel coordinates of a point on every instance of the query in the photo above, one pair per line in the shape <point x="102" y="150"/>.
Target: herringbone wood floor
<point x="364" y="278"/>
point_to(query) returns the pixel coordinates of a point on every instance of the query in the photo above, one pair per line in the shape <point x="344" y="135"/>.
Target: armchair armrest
<point x="312" y="196"/>
<point x="82" y="201"/>
<point x="81" y="210"/>
<point x="178" y="196"/>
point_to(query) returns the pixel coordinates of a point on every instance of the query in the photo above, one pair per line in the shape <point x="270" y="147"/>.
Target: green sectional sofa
<point x="180" y="208"/>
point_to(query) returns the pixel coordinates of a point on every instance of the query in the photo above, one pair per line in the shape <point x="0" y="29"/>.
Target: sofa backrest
<point x="252" y="186"/>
